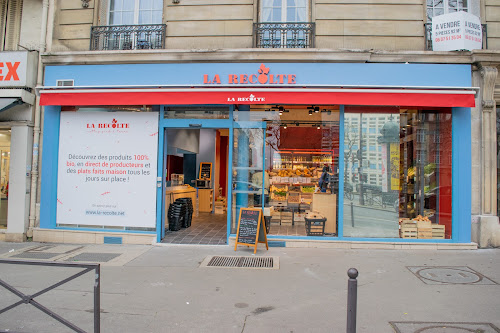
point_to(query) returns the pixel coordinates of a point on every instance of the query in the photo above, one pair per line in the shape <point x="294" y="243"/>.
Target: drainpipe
<point x="36" y="130"/>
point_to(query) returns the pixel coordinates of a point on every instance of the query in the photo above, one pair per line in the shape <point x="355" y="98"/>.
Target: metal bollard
<point x="352" y="298"/>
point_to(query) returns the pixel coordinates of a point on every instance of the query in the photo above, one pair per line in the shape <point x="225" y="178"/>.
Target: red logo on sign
<point x="263" y="77"/>
<point x="114" y="124"/>
<point x="11" y="71"/>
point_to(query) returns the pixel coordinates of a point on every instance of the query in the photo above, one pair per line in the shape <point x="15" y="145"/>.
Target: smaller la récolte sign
<point x="456" y="31"/>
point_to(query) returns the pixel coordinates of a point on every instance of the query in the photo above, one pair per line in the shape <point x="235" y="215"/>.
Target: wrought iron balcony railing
<point x="428" y="36"/>
<point x="128" y="37"/>
<point x="284" y="35"/>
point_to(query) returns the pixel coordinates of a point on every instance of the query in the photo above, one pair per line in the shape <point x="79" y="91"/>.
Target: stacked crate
<point x="286" y="217"/>
<point x="424" y="229"/>
<point x="438" y="231"/>
<point x="408" y="229"/>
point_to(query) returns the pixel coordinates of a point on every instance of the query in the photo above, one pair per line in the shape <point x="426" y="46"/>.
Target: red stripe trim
<point x="274" y="97"/>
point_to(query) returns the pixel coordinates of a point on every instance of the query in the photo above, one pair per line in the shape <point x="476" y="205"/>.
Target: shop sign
<point x="107" y="169"/>
<point x="18" y="69"/>
<point x="249" y="98"/>
<point x="384" y="168"/>
<point x="456" y="31"/>
<point x="394" y="158"/>
<point x="263" y="76"/>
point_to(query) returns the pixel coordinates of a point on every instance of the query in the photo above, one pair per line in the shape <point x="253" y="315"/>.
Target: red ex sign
<point x="11" y="71"/>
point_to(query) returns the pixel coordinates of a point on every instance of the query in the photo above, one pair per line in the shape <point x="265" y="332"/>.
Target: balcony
<point x="428" y="37"/>
<point x="128" y="37"/>
<point x="289" y="35"/>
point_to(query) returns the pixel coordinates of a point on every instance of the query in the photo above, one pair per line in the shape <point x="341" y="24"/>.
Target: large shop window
<point x="398" y="173"/>
<point x="106" y="170"/>
<point x="286" y="159"/>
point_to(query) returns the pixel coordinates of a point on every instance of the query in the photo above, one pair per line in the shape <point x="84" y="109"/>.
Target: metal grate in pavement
<point x="442" y="327"/>
<point x="94" y="257"/>
<point x="241" y="262"/>
<point x="449" y="275"/>
<point x="35" y="255"/>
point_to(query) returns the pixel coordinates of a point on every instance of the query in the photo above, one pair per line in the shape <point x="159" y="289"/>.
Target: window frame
<point x="284" y="8"/>
<point x="446" y="8"/>
<point x="136" y="13"/>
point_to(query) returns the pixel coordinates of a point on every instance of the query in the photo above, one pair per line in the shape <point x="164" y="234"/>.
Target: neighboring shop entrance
<point x="4" y="175"/>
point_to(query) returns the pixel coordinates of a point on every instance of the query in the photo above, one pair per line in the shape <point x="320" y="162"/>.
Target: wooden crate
<point x="294" y="197"/>
<point x="306" y="198"/>
<point x="424" y="233"/>
<point x="423" y="224"/>
<point x="299" y="217"/>
<point x="409" y="231"/>
<point x="286" y="217"/>
<point x="438" y="231"/>
<point x="409" y="224"/>
<point x="275" y="216"/>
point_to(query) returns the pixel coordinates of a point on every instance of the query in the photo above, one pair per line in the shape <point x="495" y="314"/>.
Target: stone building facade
<point x="223" y="31"/>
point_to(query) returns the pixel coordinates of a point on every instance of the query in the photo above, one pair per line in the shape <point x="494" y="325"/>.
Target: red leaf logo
<point x="263" y="69"/>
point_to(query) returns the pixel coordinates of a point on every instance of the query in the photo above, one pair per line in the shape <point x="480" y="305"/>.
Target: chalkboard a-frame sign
<point x="251" y="229"/>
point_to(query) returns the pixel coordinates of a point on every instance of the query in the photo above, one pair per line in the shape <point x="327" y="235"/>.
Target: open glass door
<point x="248" y="168"/>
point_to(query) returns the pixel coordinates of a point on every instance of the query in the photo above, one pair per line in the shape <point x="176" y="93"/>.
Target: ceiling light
<point x="316" y="109"/>
<point x="318" y="127"/>
<point x="284" y="127"/>
<point x="281" y="108"/>
<point x="281" y="113"/>
<point x="310" y="112"/>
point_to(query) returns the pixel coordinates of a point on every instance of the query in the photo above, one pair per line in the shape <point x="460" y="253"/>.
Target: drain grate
<point x="241" y="262"/>
<point x="35" y="255"/>
<point x="94" y="257"/>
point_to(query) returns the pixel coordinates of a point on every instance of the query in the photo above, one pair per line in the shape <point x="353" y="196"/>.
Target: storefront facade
<point x="18" y="73"/>
<point x="392" y="140"/>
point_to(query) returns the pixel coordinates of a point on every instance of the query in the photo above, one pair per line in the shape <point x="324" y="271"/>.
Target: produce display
<point x="308" y="189"/>
<point x="281" y="193"/>
<point x="421" y="218"/>
<point x="307" y="172"/>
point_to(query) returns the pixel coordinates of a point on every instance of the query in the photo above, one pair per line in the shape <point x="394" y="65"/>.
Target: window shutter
<point x="103" y="12"/>
<point x="13" y="24"/>
<point x="3" y="19"/>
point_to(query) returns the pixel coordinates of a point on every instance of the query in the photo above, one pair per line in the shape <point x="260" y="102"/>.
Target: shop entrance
<point x="196" y="178"/>
<point x="4" y="176"/>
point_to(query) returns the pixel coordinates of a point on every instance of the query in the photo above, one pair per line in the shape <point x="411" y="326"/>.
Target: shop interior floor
<point x="210" y="229"/>
<point x="206" y="228"/>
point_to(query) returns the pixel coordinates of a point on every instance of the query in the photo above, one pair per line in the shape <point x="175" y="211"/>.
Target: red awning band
<point x="427" y="98"/>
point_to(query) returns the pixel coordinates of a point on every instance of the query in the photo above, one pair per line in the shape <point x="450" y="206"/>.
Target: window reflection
<point x="397" y="182"/>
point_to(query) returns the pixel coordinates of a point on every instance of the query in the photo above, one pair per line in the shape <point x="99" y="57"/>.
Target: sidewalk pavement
<point x="164" y="289"/>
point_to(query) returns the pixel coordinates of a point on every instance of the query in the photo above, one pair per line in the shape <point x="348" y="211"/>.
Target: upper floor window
<point x="440" y="7"/>
<point x="284" y="11"/>
<point x="133" y="12"/>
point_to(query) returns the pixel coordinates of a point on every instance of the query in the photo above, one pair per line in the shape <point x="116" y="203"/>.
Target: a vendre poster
<point x="456" y="31"/>
<point x="107" y="169"/>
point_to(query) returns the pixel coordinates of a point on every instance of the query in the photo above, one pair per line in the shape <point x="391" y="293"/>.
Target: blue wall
<point x="306" y="74"/>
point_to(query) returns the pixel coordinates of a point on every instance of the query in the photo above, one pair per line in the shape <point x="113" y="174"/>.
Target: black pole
<point x="352" y="295"/>
<point x="97" y="300"/>
<point x="352" y="215"/>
